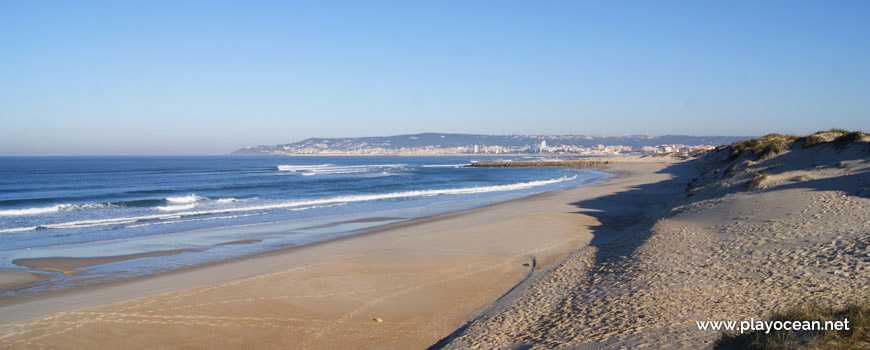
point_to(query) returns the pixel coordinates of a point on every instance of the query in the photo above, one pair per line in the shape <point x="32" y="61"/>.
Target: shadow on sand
<point x="624" y="218"/>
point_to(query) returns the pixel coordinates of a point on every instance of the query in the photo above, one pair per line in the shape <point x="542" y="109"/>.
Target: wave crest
<point x="185" y="199"/>
<point x="53" y="209"/>
<point x="177" y="210"/>
<point x="329" y="169"/>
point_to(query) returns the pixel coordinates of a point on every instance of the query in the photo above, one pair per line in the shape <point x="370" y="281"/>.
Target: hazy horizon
<point x="307" y="138"/>
<point x="165" y="78"/>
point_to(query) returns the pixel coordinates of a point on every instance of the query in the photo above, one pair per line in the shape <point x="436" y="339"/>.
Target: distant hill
<point x="438" y="143"/>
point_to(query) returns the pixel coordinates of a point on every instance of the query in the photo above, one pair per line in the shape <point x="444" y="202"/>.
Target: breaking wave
<point x="53" y="209"/>
<point x="446" y="165"/>
<point x="178" y="211"/>
<point x="185" y="199"/>
<point x="329" y="169"/>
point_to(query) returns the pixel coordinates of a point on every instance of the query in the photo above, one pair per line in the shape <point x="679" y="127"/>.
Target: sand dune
<point x="723" y="248"/>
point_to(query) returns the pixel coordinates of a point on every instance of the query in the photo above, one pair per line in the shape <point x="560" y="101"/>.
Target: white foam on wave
<point x="340" y="200"/>
<point x="446" y="165"/>
<point x="329" y="169"/>
<point x="18" y="229"/>
<point x="185" y="199"/>
<point x="203" y="219"/>
<point x="52" y="209"/>
<point x="295" y="168"/>
<point x="31" y="211"/>
<point x="191" y="198"/>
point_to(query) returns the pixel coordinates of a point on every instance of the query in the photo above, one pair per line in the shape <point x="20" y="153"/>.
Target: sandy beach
<point x="406" y="286"/>
<point x="629" y="263"/>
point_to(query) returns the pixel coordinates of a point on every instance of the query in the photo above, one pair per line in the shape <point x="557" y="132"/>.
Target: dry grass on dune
<point x="763" y="147"/>
<point x="755" y="164"/>
<point x="857" y="337"/>
<point x="757" y="180"/>
<point x="822" y="137"/>
<point x="773" y="144"/>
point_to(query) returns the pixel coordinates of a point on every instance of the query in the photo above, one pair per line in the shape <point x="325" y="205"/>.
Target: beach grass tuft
<point x="856" y="337"/>
<point x="757" y="180"/>
<point x="840" y="137"/>
<point x="773" y="144"/>
<point x="762" y="147"/>
<point x="847" y="139"/>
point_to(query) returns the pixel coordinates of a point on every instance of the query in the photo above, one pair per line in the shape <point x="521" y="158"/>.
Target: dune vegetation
<point x="856" y="337"/>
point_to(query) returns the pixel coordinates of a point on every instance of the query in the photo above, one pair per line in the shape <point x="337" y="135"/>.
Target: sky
<point x="190" y="77"/>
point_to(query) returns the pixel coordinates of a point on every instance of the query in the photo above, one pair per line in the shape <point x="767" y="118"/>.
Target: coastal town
<point x="455" y="144"/>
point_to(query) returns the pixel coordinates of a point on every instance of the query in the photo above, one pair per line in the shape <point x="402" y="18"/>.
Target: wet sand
<point x="18" y="278"/>
<point x="357" y="221"/>
<point x="68" y="265"/>
<point x="240" y="242"/>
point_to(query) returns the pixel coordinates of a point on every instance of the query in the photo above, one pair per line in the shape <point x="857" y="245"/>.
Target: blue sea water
<point x="107" y="206"/>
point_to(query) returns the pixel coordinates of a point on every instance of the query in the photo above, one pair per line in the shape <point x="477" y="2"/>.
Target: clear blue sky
<point x="187" y="77"/>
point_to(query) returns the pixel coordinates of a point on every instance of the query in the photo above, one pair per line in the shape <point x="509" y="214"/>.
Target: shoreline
<point x="70" y="265"/>
<point x="423" y="278"/>
<point x="67" y="265"/>
<point x="43" y="267"/>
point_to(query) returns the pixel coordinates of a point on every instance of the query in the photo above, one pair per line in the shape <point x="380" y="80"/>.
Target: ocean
<point x="211" y="208"/>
